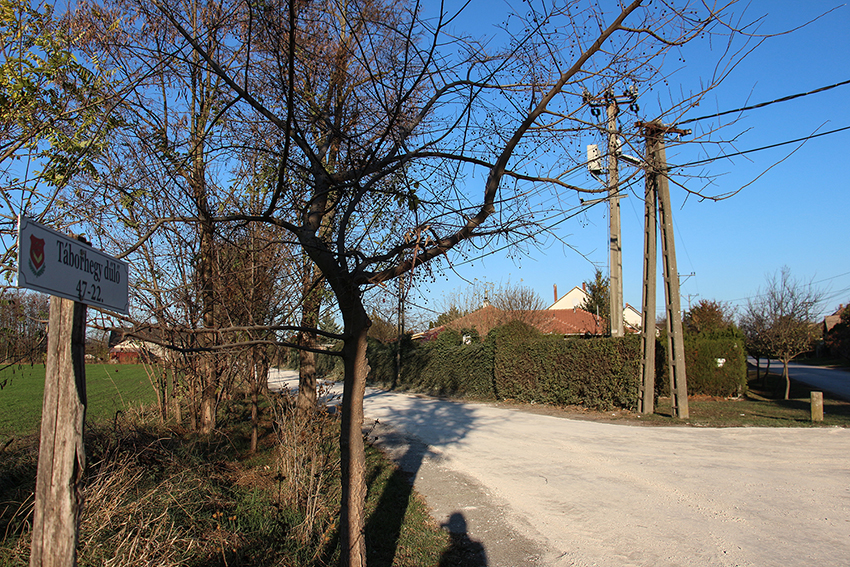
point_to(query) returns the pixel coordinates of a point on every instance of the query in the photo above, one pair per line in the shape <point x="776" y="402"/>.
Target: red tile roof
<point x="550" y="321"/>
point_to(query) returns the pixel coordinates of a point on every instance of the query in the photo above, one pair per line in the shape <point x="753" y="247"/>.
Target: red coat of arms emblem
<point x="36" y="255"/>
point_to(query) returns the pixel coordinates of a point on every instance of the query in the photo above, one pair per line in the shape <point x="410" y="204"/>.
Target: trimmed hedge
<point x="518" y="362"/>
<point x="715" y="364"/>
<point x="443" y="367"/>
<point x="597" y="373"/>
<point x="515" y="362"/>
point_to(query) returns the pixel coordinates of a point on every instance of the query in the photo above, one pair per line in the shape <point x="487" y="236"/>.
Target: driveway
<point x="832" y="380"/>
<point x="541" y="490"/>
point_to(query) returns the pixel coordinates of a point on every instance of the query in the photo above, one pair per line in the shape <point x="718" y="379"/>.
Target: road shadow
<point x="463" y="551"/>
<point x="441" y="422"/>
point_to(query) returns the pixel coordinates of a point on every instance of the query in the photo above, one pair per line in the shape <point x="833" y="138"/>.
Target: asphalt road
<point x="532" y="489"/>
<point x="832" y="380"/>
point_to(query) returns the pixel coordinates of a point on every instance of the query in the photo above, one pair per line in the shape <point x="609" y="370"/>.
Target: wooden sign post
<point x="61" y="454"/>
<point x="74" y="274"/>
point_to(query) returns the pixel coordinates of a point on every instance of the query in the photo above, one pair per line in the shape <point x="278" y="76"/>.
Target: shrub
<point x="597" y="373"/>
<point x="444" y="366"/>
<point x="517" y="362"/>
<point x="715" y="364"/>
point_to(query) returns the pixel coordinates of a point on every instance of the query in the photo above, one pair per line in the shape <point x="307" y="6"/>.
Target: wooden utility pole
<point x="615" y="248"/>
<point x="646" y="394"/>
<point x="61" y="454"/>
<point x="657" y="171"/>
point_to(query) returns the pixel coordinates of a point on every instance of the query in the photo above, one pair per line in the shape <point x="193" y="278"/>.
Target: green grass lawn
<point x="109" y="387"/>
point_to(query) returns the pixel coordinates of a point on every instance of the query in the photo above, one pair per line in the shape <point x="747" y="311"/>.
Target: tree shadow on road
<point x="446" y="423"/>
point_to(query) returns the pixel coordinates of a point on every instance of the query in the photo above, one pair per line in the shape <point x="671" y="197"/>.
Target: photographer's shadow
<point x="463" y="551"/>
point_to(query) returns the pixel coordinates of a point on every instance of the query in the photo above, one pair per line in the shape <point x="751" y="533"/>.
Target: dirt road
<point x="542" y="490"/>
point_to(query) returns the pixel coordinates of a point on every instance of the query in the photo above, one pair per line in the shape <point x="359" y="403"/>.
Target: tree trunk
<point x="787" y="379"/>
<point x="352" y="450"/>
<point x="259" y="378"/>
<point x="312" y="303"/>
<point x="177" y="409"/>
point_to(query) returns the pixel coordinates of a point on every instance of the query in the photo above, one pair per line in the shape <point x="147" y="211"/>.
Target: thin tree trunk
<point x="260" y="372"/>
<point x="312" y="303"/>
<point x="787" y="379"/>
<point x="352" y="449"/>
<point x="177" y="410"/>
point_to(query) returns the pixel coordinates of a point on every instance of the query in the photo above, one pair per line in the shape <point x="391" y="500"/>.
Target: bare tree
<point x="781" y="320"/>
<point x="380" y="121"/>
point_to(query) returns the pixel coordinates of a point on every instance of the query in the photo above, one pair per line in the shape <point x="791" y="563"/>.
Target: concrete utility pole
<point x="615" y="250"/>
<point x="658" y="188"/>
<point x="646" y="393"/>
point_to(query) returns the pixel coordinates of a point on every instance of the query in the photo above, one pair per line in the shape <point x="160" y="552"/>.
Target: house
<point x="832" y="320"/>
<point x="132" y="351"/>
<point x="125" y="349"/>
<point x="572" y="299"/>
<point x="572" y="322"/>
<point x="632" y="317"/>
<point x="576" y="297"/>
<point x="567" y="322"/>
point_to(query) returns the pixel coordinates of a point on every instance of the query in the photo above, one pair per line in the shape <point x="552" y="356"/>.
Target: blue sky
<point x="793" y="204"/>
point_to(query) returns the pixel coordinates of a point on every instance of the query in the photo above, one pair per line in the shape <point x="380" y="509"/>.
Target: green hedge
<point x="597" y="373"/>
<point x="443" y="367"/>
<point x="517" y="362"/>
<point x="704" y="372"/>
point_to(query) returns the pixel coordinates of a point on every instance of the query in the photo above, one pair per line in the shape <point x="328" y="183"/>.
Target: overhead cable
<point x="763" y="104"/>
<point x="724" y="156"/>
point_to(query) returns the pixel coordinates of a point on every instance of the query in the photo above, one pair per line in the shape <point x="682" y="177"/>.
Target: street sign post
<point x="77" y="275"/>
<point x="54" y="263"/>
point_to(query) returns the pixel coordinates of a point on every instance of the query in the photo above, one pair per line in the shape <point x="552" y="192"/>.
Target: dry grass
<point x="156" y="496"/>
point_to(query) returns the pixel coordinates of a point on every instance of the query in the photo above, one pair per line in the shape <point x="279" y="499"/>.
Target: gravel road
<point x="542" y="490"/>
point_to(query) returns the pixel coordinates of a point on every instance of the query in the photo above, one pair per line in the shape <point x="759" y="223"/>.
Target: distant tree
<point x="708" y="316"/>
<point x="754" y="327"/>
<point x="448" y="316"/>
<point x="838" y="338"/>
<point x="781" y="320"/>
<point x="518" y="303"/>
<point x="507" y="302"/>
<point x="382" y="328"/>
<point x="23" y="326"/>
<point x="598" y="296"/>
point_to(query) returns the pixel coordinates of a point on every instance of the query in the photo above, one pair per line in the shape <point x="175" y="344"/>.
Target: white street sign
<point x="54" y="263"/>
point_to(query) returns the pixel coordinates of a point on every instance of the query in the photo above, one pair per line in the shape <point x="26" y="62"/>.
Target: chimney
<point x="584" y="287"/>
<point x="556" y="292"/>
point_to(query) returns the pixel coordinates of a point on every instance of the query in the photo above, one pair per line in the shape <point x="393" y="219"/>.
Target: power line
<point x="724" y="156"/>
<point x="768" y="103"/>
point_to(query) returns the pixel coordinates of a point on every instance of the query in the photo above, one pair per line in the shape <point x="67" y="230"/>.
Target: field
<point x="157" y="494"/>
<point x="110" y="388"/>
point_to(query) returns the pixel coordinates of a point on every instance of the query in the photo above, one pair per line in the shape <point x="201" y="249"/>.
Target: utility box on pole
<point x="615" y="247"/>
